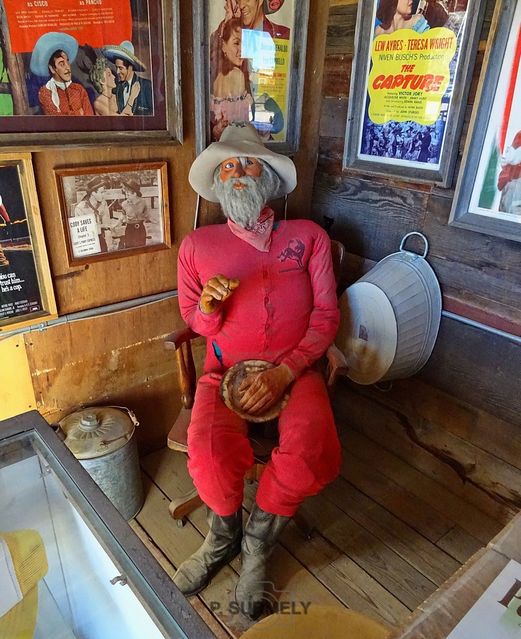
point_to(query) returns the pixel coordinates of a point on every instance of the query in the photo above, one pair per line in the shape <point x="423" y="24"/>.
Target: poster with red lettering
<point x="409" y="86"/>
<point x="80" y="67"/>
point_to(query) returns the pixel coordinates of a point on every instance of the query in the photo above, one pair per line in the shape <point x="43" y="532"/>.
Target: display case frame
<point x="150" y="583"/>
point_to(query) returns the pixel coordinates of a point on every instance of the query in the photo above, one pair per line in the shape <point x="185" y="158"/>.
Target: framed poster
<point x="488" y="193"/>
<point x="110" y="66"/>
<point x="113" y="211"/>
<point x="249" y="63"/>
<point x="26" y="295"/>
<point x="497" y="612"/>
<point x="412" y="71"/>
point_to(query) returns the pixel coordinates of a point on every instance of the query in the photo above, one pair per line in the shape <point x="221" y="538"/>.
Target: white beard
<point x="243" y="206"/>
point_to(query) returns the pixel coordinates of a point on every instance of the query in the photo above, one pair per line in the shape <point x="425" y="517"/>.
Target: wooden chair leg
<point x="182" y="506"/>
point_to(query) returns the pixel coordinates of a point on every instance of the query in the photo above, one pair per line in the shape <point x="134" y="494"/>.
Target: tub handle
<point x="404" y="239"/>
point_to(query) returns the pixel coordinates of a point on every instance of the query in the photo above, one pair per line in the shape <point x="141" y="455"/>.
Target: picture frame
<point x="116" y="79"/>
<point x="260" y="78"/>
<point x="488" y="192"/>
<point x="409" y="87"/>
<point x="26" y="292"/>
<point x="113" y="211"/>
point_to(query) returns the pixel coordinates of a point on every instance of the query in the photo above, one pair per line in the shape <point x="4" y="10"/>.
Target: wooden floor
<point x="387" y="536"/>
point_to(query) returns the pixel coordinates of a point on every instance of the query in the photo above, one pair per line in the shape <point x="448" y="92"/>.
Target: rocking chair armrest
<point x="336" y="364"/>
<point x="181" y="336"/>
<point x="180" y="341"/>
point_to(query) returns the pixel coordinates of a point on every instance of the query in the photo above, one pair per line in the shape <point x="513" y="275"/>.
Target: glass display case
<point x="70" y="566"/>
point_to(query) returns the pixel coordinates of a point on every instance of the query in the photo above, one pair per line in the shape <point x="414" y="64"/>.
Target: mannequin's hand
<point x="261" y="390"/>
<point x="215" y="291"/>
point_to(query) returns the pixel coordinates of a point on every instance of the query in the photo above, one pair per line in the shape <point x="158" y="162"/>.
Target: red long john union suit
<point x="284" y="311"/>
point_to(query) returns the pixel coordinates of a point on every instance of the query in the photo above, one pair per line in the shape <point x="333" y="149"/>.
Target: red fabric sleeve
<point x="325" y="316"/>
<point x="190" y="288"/>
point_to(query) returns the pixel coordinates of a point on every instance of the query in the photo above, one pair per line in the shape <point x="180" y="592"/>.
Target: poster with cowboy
<point x="108" y="210"/>
<point x="82" y="66"/>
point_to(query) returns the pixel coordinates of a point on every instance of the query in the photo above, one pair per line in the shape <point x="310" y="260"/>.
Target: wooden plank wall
<point x="462" y="413"/>
<point x="119" y="358"/>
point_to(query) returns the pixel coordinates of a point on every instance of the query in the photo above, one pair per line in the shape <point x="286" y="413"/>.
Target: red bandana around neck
<point x="260" y="235"/>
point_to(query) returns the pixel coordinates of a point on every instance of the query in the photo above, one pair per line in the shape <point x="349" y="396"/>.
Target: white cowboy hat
<point x="239" y="140"/>
<point x="123" y="51"/>
<point x="46" y="45"/>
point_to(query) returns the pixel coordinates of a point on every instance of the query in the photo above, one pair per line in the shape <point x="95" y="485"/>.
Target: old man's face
<point x="234" y="168"/>
<point x="244" y="185"/>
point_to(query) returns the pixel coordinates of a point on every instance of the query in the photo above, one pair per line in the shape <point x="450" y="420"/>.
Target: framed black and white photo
<point x="26" y="294"/>
<point x="249" y="63"/>
<point x="114" y="211"/>
<point x="488" y="193"/>
<point x="112" y="67"/>
<point x="411" y="75"/>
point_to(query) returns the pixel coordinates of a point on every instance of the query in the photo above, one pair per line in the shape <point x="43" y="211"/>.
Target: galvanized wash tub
<point x="391" y="317"/>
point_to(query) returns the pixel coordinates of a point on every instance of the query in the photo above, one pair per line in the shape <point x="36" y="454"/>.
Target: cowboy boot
<point x="260" y="535"/>
<point x="3" y="259"/>
<point x="221" y="545"/>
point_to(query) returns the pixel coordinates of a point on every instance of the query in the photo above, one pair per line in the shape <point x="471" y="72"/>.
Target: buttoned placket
<point x="268" y="306"/>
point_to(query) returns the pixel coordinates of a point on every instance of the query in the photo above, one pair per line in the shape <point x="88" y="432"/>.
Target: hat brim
<point x="203" y="169"/>
<point x="46" y="46"/>
<point x="368" y="332"/>
<point x="112" y="53"/>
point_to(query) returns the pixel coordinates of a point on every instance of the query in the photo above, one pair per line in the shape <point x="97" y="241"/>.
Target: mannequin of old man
<point x="257" y="289"/>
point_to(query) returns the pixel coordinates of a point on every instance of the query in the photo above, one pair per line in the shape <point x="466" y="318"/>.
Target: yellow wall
<point x="16" y="388"/>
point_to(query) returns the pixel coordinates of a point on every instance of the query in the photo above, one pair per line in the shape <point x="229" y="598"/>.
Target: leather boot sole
<point x="234" y="551"/>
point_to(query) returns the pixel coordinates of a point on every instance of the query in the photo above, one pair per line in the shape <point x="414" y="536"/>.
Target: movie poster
<point x="414" y="57"/>
<point x="497" y="613"/>
<point x="20" y="294"/>
<point x="250" y="45"/>
<point x="89" y="60"/>
<point x="497" y="187"/>
<point x="108" y="210"/>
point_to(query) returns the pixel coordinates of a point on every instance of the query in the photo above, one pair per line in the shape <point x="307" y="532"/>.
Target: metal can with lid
<point x="101" y="438"/>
